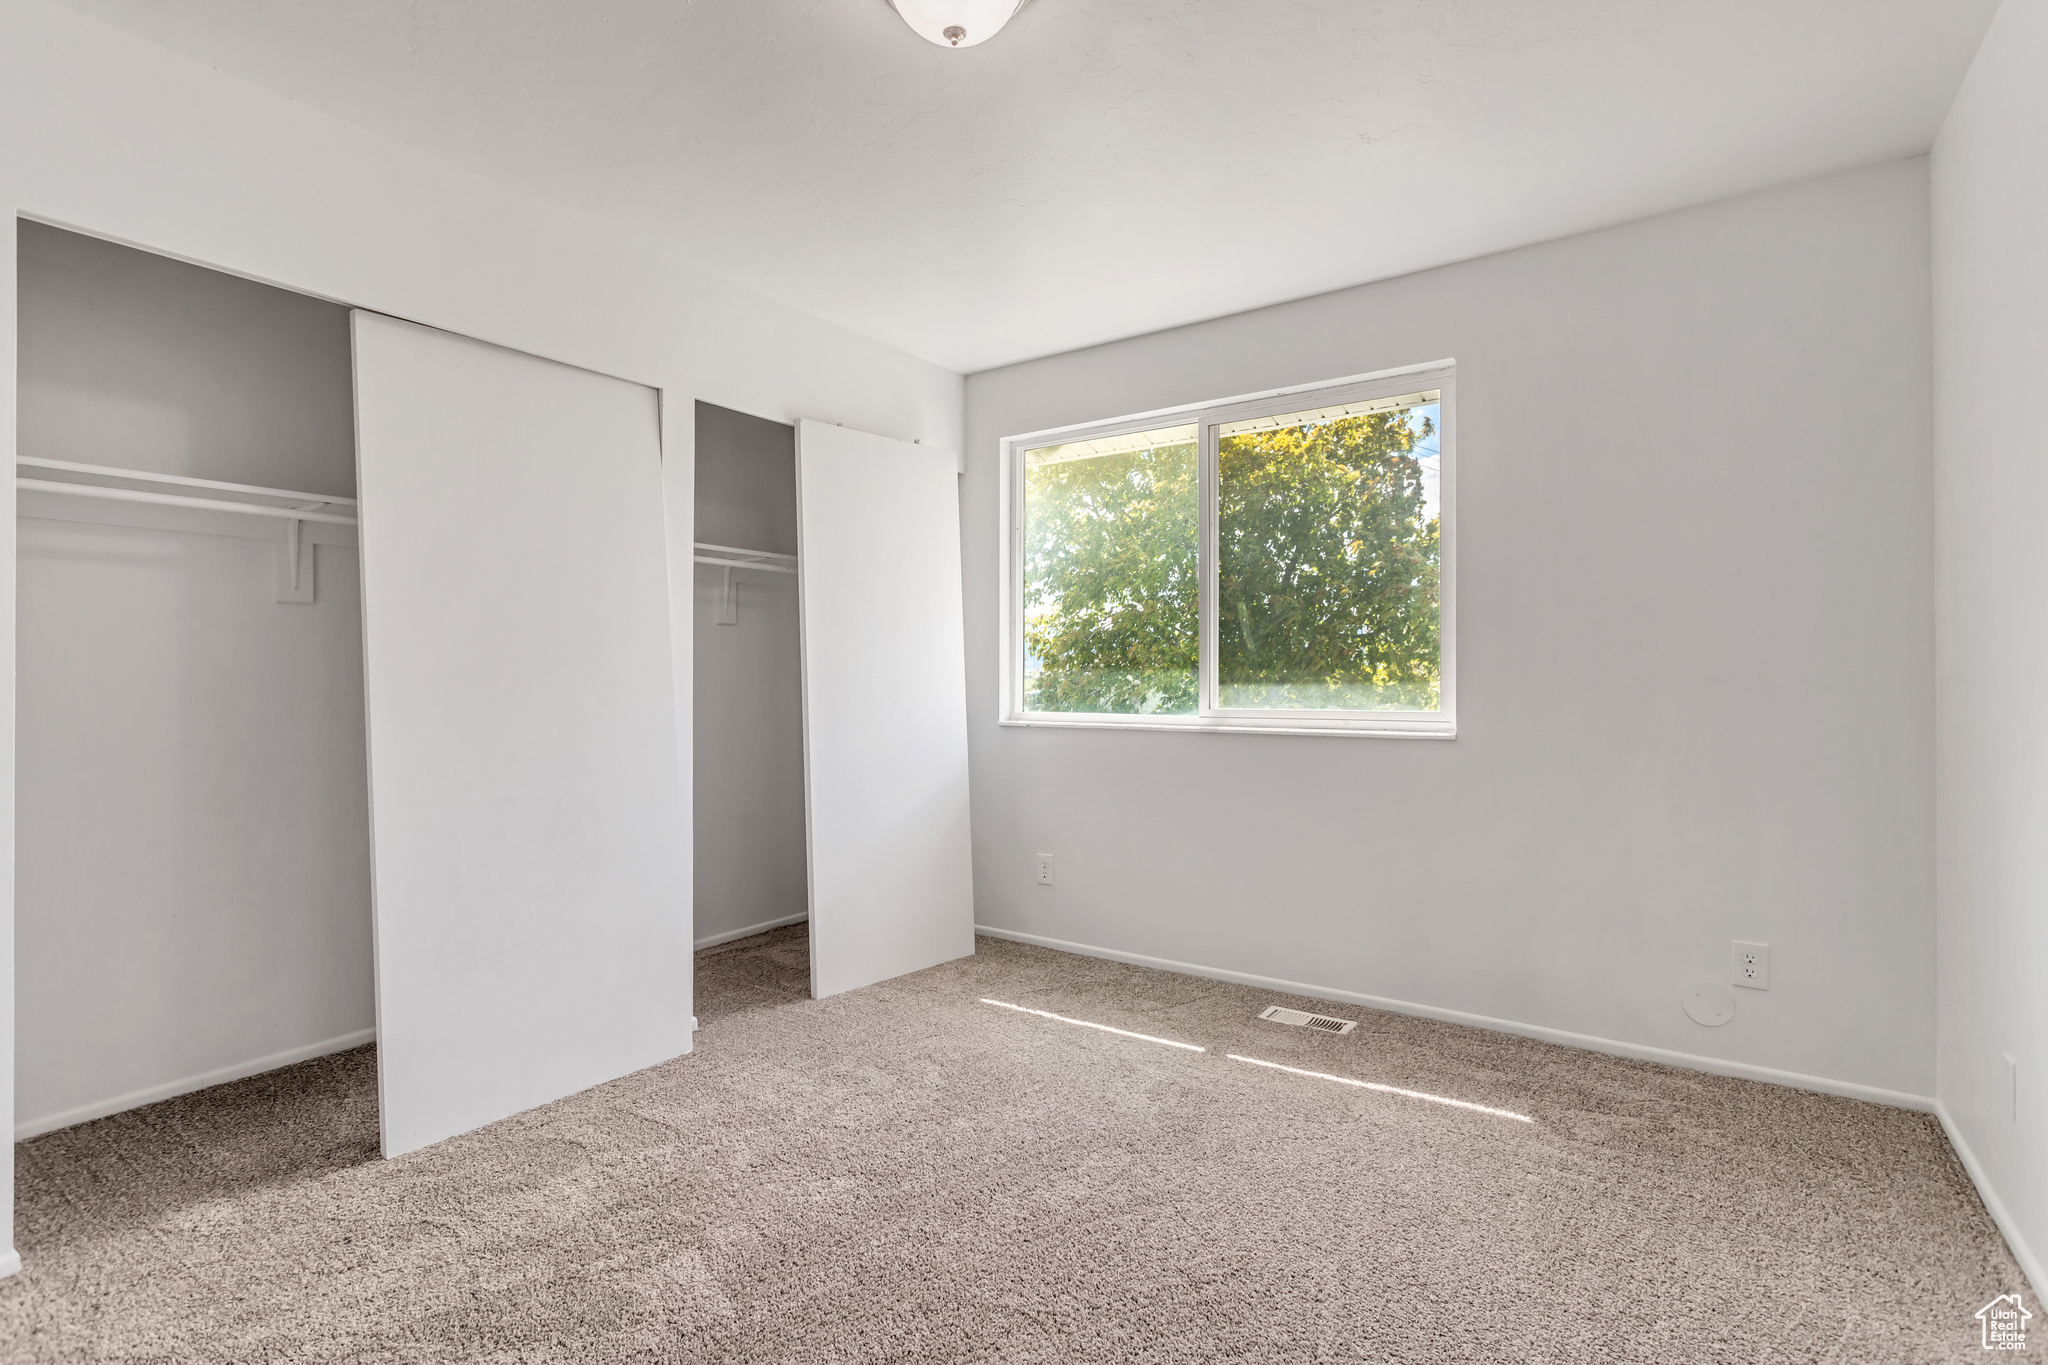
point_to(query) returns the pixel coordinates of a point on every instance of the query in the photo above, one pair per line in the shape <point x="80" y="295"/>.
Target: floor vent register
<point x="1280" y="1014"/>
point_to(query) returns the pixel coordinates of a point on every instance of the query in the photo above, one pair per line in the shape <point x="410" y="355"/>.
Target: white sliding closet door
<point x="531" y="888"/>
<point x="885" y="706"/>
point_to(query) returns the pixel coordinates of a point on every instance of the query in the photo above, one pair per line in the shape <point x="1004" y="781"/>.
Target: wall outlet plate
<point x="1750" y="966"/>
<point x="1045" y="869"/>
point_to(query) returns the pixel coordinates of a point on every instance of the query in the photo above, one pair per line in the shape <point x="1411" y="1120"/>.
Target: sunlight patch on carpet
<point x="1387" y="1089"/>
<point x="1083" y="1023"/>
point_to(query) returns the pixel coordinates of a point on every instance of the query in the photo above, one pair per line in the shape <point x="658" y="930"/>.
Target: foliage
<point x="1327" y="567"/>
<point x="1327" y="573"/>
<point x="1109" y="560"/>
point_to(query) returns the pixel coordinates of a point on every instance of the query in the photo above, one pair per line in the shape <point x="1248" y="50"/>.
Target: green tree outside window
<point x="1327" y="571"/>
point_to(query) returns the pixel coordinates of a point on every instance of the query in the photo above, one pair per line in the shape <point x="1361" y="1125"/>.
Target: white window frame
<point x="1209" y="717"/>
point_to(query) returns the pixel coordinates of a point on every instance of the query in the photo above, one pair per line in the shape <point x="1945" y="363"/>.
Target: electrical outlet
<point x="1045" y="869"/>
<point x="1752" y="966"/>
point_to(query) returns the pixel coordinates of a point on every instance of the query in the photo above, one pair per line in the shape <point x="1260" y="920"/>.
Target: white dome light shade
<point x="956" y="23"/>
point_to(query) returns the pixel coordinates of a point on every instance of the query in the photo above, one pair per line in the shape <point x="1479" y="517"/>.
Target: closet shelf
<point x="733" y="557"/>
<point x="313" y="506"/>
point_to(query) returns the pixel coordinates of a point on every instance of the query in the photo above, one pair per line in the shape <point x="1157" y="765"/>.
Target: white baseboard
<point x="1712" y="1065"/>
<point x="135" y="1099"/>
<point x="1993" y="1205"/>
<point x="10" y="1264"/>
<point x="729" y="935"/>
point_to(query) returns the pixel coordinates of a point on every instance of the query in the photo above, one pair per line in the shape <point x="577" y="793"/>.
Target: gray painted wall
<point x="1695" y="610"/>
<point x="748" y="775"/>
<point x="193" y="874"/>
<point x="1991" y="354"/>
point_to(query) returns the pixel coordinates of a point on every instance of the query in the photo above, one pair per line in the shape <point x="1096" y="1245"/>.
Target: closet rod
<point x="746" y="564"/>
<point x="181" y="480"/>
<point x="744" y="553"/>
<point x="734" y="557"/>
<point x="91" y="490"/>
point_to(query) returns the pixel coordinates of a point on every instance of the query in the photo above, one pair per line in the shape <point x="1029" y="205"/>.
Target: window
<point x="1272" y="563"/>
<point x="1111" y="552"/>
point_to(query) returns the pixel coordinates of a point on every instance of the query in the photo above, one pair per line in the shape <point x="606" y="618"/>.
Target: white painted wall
<point x="109" y="134"/>
<point x="193" y="877"/>
<point x="749" y="771"/>
<point x="1694" y="623"/>
<point x="1990" y="182"/>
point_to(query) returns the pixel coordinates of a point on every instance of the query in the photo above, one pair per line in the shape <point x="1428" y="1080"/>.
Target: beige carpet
<point x="907" y="1174"/>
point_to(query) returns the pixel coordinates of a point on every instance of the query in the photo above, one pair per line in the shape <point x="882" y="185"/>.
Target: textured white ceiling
<point x="1102" y="167"/>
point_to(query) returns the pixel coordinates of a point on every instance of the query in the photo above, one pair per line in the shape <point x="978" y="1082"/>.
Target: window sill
<point x="1214" y="725"/>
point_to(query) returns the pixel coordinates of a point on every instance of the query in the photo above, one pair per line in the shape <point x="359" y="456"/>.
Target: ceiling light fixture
<point x="956" y="23"/>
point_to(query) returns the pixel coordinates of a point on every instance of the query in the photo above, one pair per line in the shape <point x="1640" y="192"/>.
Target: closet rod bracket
<point x="728" y="603"/>
<point x="295" y="561"/>
<point x="725" y="601"/>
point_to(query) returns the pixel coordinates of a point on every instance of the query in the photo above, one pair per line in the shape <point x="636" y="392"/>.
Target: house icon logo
<point x="2005" y="1321"/>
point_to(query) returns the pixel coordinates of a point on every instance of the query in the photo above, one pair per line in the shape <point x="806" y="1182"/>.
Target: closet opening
<point x="194" y="875"/>
<point x="751" y="886"/>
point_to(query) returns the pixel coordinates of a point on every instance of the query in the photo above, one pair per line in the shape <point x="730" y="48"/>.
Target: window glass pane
<point x="1110" y="617"/>
<point x="1327" y="558"/>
